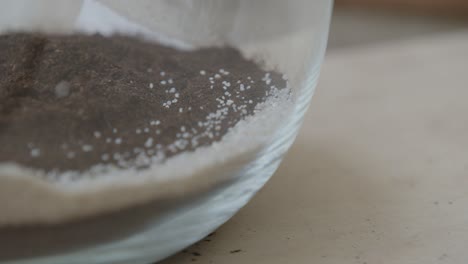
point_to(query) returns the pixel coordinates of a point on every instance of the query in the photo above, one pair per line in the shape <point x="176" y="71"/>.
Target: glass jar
<point x="132" y="129"/>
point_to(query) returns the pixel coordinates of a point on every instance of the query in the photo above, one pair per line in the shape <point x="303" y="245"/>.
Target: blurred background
<point x="435" y="7"/>
<point x="363" y="22"/>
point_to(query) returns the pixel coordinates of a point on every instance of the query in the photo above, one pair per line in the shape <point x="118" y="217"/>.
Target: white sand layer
<point x="28" y="196"/>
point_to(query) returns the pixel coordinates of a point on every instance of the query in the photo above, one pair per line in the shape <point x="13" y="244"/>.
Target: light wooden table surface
<point x="379" y="173"/>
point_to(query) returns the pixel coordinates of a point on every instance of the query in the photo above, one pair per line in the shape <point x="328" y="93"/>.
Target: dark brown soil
<point x="72" y="102"/>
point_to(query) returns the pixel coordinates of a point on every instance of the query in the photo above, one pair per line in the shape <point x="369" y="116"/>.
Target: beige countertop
<point x="379" y="172"/>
